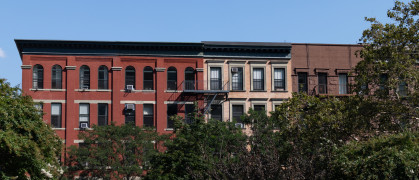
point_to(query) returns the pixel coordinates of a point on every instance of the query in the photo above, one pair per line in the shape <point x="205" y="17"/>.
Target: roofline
<point x="239" y="43"/>
<point x="326" y="44"/>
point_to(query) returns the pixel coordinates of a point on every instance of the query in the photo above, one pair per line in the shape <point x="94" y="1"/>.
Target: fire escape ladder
<point x="209" y="104"/>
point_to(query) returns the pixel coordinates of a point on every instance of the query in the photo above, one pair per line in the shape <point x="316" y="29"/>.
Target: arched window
<point x="103" y="78"/>
<point x="56" y="77"/>
<point x="148" y="78"/>
<point x="171" y="78"/>
<point x="38" y="77"/>
<point x="189" y="78"/>
<point x="129" y="77"/>
<point x="84" y="77"/>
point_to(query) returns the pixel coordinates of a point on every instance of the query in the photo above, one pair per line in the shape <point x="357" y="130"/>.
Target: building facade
<point x="85" y="83"/>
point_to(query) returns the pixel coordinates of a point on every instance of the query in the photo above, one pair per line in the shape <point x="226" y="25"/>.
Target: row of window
<point x="130" y="74"/>
<point x="322" y="83"/>
<point x="237" y="76"/>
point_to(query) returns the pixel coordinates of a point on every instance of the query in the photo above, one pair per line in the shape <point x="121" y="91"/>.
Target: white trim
<point x="93" y="90"/>
<point x="178" y="102"/>
<point x="273" y="67"/>
<point x="93" y="101"/>
<point x="70" y="67"/>
<point x="104" y="90"/>
<point x="212" y="65"/>
<point x="78" y="141"/>
<point x="230" y="77"/>
<point x="116" y="68"/>
<point x="78" y="129"/>
<point x="58" y="129"/>
<point x="258" y="65"/>
<point x="173" y="91"/>
<point x="275" y="103"/>
<point x="49" y="101"/>
<point x="168" y="129"/>
<point x="137" y="102"/>
<point x="264" y="103"/>
<point x="160" y="69"/>
<point x="32" y="89"/>
<point x="237" y="102"/>
<point x="136" y="91"/>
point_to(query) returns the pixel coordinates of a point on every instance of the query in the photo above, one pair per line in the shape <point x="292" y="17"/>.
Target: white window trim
<point x="241" y="65"/>
<point x="211" y="65"/>
<point x="232" y="102"/>
<point x="283" y="66"/>
<point x="258" y="65"/>
<point x="264" y="103"/>
<point x="275" y="103"/>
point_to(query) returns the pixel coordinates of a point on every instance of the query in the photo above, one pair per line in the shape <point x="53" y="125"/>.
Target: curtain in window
<point x="343" y="82"/>
<point x="55" y="109"/>
<point x="237" y="79"/>
<point x="279" y="82"/>
<point x="215" y="78"/>
<point x="148" y="109"/>
<point x="258" y="79"/>
<point x="84" y="113"/>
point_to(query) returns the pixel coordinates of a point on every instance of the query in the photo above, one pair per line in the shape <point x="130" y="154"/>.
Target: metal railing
<point x="208" y="85"/>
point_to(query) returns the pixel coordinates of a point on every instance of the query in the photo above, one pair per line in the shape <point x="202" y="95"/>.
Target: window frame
<point x="148" y="116"/>
<point x="260" y="103"/>
<point x="147" y="82"/>
<point x="319" y="76"/>
<point x="305" y="90"/>
<point x="237" y="65"/>
<point x="172" y="70"/>
<point x="38" y="82"/>
<point x="59" y="116"/>
<point x="84" y="115"/>
<point x="130" y="69"/>
<point x="252" y="84"/>
<point x="221" y="115"/>
<point x="99" y="115"/>
<point x="233" y="103"/>
<point x="346" y="85"/>
<point x="279" y="66"/>
<point x="130" y="114"/>
<point x="170" y="124"/>
<point x="190" y="84"/>
<point x="103" y="83"/>
<point x="56" y="69"/>
<point x="83" y="80"/>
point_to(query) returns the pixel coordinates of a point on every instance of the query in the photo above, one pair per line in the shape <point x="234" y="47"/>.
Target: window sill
<point x="82" y="129"/>
<point x="169" y="129"/>
<point x="137" y="91"/>
<point x="172" y="91"/>
<point x="280" y="91"/>
<point x="32" y="89"/>
<point x="93" y="90"/>
<point x="237" y="90"/>
<point x="258" y="91"/>
<point x="58" y="129"/>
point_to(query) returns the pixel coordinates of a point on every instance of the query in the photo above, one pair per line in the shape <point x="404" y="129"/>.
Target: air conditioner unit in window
<point x="239" y="125"/>
<point x="130" y="88"/>
<point x="84" y="125"/>
<point x="234" y="70"/>
<point x="130" y="107"/>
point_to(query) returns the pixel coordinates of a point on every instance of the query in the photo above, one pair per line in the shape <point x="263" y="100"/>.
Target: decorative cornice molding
<point x="116" y="68"/>
<point x="26" y="66"/>
<point x="70" y="67"/>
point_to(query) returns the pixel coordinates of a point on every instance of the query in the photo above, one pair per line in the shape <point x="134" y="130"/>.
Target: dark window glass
<point x="56" y="78"/>
<point x="103" y="77"/>
<point x="171" y="110"/>
<point x="215" y="78"/>
<point x="217" y="112"/>
<point x="383" y="82"/>
<point x="129" y="114"/>
<point x="259" y="107"/>
<point x="148" y="115"/>
<point x="172" y="78"/>
<point x="148" y="78"/>
<point x="189" y="108"/>
<point x="343" y="84"/>
<point x="238" y="110"/>
<point x="84" y="115"/>
<point x="102" y="118"/>
<point x="237" y="78"/>
<point x="322" y="83"/>
<point x="38" y="77"/>
<point x="129" y="76"/>
<point x="302" y="82"/>
<point x="258" y="79"/>
<point x="56" y="115"/>
<point x="402" y="89"/>
<point x="189" y="79"/>
<point x="84" y="77"/>
<point x="279" y="79"/>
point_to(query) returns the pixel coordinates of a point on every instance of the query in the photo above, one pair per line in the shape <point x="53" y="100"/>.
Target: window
<point x="129" y="114"/>
<point x="189" y="109"/>
<point x="171" y="78"/>
<point x="237" y="78"/>
<point x="171" y="111"/>
<point x="402" y="89"/>
<point x="383" y="81"/>
<point x="260" y="108"/>
<point x="84" y="77"/>
<point x="38" y="77"/>
<point x="148" y="78"/>
<point x="238" y="110"/>
<point x="322" y="83"/>
<point x="279" y="79"/>
<point x="56" y="115"/>
<point x="302" y="82"/>
<point x="217" y="112"/>
<point x="84" y="117"/>
<point x="102" y="115"/>
<point x="343" y="84"/>
<point x="40" y="108"/>
<point x="189" y="79"/>
<point x="215" y="78"/>
<point x="258" y="79"/>
<point x="129" y="77"/>
<point x="148" y="115"/>
<point x="103" y="77"/>
<point x="56" y="77"/>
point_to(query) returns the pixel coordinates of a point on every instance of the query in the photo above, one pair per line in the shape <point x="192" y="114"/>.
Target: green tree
<point x="389" y="73"/>
<point x="28" y="146"/>
<point x="200" y="150"/>
<point x="113" y="152"/>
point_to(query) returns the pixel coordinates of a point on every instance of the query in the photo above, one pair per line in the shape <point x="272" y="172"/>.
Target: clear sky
<point x="295" y="21"/>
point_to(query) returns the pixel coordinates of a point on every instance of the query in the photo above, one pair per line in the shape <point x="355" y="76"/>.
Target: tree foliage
<point x="113" y="152"/>
<point x="28" y="146"/>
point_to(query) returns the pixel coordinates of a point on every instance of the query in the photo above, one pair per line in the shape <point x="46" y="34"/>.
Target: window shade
<point x="148" y="109"/>
<point x="55" y="109"/>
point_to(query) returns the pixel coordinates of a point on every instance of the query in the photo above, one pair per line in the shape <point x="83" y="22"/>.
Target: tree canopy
<point x="28" y="146"/>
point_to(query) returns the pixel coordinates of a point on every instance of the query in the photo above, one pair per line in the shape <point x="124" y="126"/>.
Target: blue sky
<point x="298" y="21"/>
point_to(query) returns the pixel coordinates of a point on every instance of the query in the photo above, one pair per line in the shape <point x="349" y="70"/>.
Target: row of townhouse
<point x="81" y="83"/>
